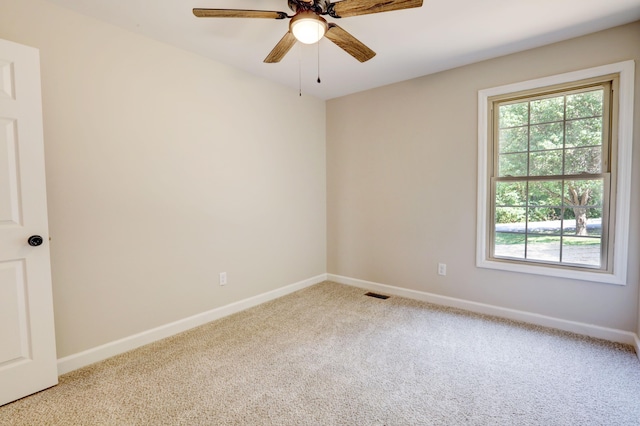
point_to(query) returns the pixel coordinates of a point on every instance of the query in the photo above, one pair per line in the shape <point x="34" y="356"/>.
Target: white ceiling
<point x="409" y="43"/>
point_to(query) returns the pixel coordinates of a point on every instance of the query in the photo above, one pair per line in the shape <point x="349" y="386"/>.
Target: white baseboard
<point x="584" y="329"/>
<point x="99" y="353"/>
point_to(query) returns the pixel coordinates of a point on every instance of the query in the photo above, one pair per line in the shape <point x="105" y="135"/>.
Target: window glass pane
<point x="545" y="163"/>
<point x="584" y="132"/>
<point x="571" y="227"/>
<point x="546" y="193"/>
<point x="586" y="104"/>
<point x="511" y="194"/>
<point x="546" y="136"/>
<point x="540" y="222"/>
<point x="510" y="219"/>
<point x="547" y="110"/>
<point x="583" y="160"/>
<point x="510" y="228"/>
<point x="513" y="115"/>
<point x="581" y="250"/>
<point x="512" y="164"/>
<point x="584" y="192"/>
<point x="583" y="211"/>
<point x="513" y="139"/>
<point x="543" y="247"/>
<point x="509" y="245"/>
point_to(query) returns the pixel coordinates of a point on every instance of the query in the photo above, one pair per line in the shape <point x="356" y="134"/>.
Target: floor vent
<point x="376" y="295"/>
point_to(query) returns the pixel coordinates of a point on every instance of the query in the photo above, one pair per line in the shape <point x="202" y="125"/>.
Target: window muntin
<point x="550" y="177"/>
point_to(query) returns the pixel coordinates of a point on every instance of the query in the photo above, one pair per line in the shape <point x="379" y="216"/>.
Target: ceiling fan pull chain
<point x="318" y="62"/>
<point x="318" y="43"/>
<point x="299" y="71"/>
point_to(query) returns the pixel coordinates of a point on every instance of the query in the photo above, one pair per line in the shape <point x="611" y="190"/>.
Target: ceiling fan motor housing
<point x="320" y="7"/>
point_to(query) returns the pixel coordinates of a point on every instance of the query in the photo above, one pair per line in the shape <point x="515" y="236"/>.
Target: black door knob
<point x="35" y="240"/>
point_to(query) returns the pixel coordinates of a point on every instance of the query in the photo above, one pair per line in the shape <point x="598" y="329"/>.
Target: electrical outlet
<point x="223" y="278"/>
<point x="442" y="269"/>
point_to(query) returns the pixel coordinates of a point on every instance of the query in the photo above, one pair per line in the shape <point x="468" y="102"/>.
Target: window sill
<point x="560" y="272"/>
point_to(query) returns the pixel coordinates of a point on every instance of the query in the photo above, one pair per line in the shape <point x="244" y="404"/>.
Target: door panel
<point x="13" y="335"/>
<point x="9" y="202"/>
<point x="27" y="341"/>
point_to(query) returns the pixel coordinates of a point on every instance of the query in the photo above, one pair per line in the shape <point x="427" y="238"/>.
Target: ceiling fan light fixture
<point x="307" y="27"/>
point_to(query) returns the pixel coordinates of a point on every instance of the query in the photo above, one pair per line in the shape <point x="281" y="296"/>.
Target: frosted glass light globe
<point x="307" y="27"/>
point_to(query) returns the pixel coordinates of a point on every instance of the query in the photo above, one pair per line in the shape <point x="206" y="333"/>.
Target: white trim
<point x="584" y="329"/>
<point x="637" y="346"/>
<point x="99" y="353"/>
<point x="623" y="199"/>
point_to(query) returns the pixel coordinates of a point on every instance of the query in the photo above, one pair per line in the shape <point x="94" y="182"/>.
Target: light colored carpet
<point x="328" y="355"/>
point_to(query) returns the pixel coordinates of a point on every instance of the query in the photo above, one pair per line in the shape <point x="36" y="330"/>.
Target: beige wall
<point x="401" y="186"/>
<point x="164" y="169"/>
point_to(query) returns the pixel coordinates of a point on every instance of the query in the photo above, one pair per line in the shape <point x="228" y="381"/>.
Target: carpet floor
<point x="329" y="355"/>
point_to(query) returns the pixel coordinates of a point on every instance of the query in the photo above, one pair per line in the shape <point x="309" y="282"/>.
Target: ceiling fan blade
<point x="284" y="45"/>
<point x="238" y="13"/>
<point x="349" y="43"/>
<point x="346" y="8"/>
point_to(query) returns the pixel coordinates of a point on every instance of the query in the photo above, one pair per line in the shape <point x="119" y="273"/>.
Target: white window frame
<point x="624" y="144"/>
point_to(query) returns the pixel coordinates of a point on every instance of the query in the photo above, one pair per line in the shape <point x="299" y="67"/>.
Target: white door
<point x="27" y="341"/>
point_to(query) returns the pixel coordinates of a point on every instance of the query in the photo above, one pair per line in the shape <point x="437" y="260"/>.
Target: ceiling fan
<point x="308" y="26"/>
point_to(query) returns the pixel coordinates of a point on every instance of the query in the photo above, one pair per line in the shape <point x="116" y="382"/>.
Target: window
<point x="554" y="174"/>
<point x="550" y="176"/>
